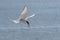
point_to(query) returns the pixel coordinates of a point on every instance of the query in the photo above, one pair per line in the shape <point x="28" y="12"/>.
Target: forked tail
<point x="14" y="21"/>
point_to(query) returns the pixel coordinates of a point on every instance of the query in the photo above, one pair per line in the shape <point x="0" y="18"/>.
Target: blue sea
<point x="45" y="25"/>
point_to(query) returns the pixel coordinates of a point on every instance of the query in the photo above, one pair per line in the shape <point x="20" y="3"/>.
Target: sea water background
<point x="44" y="26"/>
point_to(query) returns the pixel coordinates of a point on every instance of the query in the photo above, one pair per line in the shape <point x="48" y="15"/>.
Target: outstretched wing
<point x="30" y="16"/>
<point x="24" y="13"/>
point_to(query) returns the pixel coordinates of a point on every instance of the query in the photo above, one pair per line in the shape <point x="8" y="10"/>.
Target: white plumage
<point x="23" y="17"/>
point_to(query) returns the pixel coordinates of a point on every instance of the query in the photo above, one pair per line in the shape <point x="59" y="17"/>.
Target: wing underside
<point x="30" y="16"/>
<point x="23" y="13"/>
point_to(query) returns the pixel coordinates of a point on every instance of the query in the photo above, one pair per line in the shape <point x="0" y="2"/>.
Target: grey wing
<point x="24" y="13"/>
<point x="30" y="16"/>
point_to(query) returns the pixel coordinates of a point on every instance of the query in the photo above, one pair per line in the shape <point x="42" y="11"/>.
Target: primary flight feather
<point x="23" y="17"/>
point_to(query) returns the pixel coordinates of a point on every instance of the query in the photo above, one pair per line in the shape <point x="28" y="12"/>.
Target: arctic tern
<point x="23" y="17"/>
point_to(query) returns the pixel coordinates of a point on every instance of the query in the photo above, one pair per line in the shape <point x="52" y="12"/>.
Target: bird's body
<point x="23" y="17"/>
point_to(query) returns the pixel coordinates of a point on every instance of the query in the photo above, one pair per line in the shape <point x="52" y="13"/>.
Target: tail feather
<point x="14" y="21"/>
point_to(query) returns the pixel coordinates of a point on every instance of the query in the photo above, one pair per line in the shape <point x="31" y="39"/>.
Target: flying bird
<point x="23" y="17"/>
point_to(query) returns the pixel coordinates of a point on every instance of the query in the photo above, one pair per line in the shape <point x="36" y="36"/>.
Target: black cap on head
<point x="28" y="23"/>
